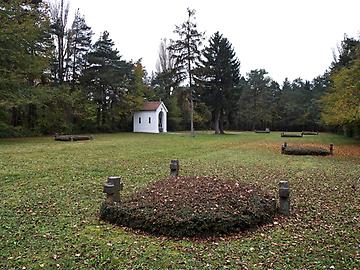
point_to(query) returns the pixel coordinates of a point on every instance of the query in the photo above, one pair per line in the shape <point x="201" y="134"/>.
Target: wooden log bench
<point x="263" y="131"/>
<point x="291" y="135"/>
<point x="309" y="133"/>
<point x="71" y="138"/>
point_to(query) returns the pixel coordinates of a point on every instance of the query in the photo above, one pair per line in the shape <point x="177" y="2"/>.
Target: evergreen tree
<point x="108" y="81"/>
<point x="347" y="52"/>
<point x="319" y="85"/>
<point x="79" y="44"/>
<point x="165" y="84"/>
<point x="185" y="52"/>
<point x="292" y="100"/>
<point x="218" y="76"/>
<point x="282" y="106"/>
<point x="255" y="101"/>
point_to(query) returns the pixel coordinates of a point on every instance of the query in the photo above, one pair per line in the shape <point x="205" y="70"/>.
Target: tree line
<point x="55" y="79"/>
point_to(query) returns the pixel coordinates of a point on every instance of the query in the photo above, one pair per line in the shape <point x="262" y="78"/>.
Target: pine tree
<point x="218" y="75"/>
<point x="347" y="52"/>
<point x="108" y="80"/>
<point x="185" y="52"/>
<point x="256" y="99"/>
<point x="79" y="44"/>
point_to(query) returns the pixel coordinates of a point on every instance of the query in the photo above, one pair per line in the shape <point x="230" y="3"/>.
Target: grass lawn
<point x="50" y="194"/>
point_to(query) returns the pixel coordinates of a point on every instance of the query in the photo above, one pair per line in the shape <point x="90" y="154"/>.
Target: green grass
<point x="50" y="194"/>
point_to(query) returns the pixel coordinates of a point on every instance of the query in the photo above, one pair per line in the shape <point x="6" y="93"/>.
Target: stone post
<point x="109" y="189"/>
<point x="331" y="149"/>
<point x="283" y="147"/>
<point x="174" y="168"/>
<point x="284" y="198"/>
<point x="112" y="188"/>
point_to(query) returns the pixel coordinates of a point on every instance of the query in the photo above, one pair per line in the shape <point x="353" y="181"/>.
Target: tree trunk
<point x="98" y="116"/>
<point x="32" y="116"/>
<point x="191" y="103"/>
<point x="255" y="118"/>
<point x="74" y="77"/>
<point x="14" y="116"/>
<point x="190" y="84"/>
<point x="104" y="112"/>
<point x="221" y="122"/>
<point x="216" y="122"/>
<point x="192" y="115"/>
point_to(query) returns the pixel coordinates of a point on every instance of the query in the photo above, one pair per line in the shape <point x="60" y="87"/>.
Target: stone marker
<point x="283" y="147"/>
<point x="284" y="197"/>
<point x="109" y="189"/>
<point x="174" y="168"/>
<point x="112" y="188"/>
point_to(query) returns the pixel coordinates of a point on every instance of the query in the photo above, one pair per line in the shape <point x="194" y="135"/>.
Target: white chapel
<point x="152" y="118"/>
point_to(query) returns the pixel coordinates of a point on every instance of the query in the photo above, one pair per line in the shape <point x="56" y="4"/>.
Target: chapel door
<point x="161" y="117"/>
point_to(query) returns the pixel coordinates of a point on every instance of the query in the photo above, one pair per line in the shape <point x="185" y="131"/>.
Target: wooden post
<point x="174" y="168"/>
<point x="284" y="198"/>
<point x="331" y="149"/>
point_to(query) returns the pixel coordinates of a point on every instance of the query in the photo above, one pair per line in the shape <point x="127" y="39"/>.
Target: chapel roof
<point x="151" y="105"/>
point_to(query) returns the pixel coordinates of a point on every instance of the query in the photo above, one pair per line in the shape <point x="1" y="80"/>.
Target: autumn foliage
<point x="193" y="206"/>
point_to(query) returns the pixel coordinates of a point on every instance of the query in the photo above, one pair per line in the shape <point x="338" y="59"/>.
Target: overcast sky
<point x="288" y="38"/>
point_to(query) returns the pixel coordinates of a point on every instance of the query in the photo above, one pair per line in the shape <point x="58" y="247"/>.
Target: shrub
<point x="7" y="131"/>
<point x="192" y="206"/>
<point x="315" y="151"/>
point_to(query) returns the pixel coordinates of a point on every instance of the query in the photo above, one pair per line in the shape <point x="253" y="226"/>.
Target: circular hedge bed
<point x="192" y="206"/>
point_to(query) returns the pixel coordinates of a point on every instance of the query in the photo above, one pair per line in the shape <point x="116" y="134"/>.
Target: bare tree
<point x="165" y="61"/>
<point x="59" y="12"/>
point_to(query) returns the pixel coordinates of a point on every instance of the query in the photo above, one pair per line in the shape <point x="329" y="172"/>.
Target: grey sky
<point x="288" y="38"/>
